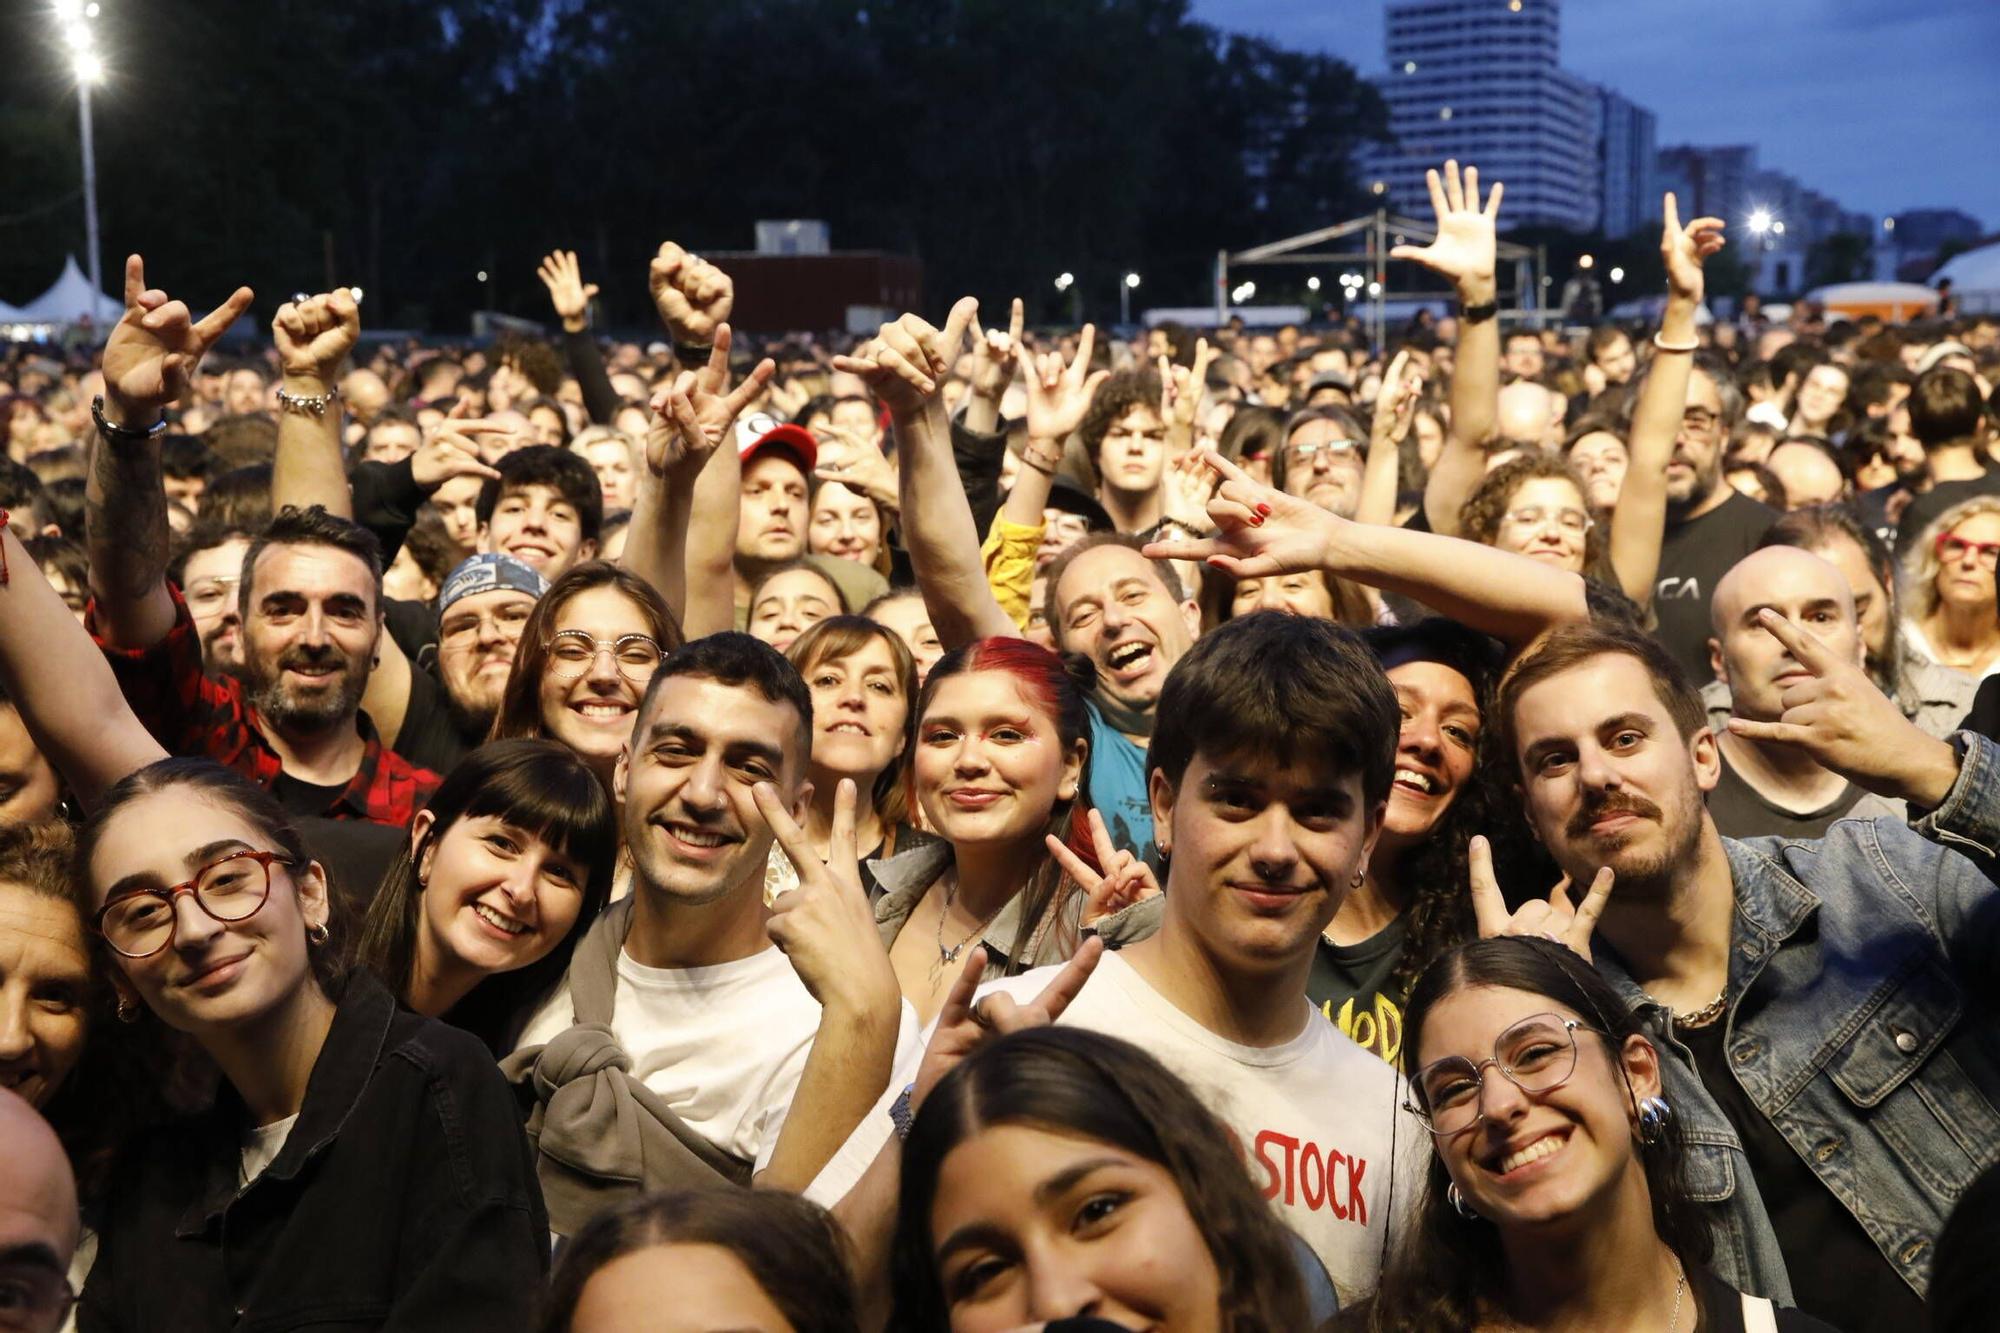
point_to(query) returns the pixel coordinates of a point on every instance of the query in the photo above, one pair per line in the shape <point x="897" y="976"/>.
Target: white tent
<point x="1975" y="278"/>
<point x="69" y="300"/>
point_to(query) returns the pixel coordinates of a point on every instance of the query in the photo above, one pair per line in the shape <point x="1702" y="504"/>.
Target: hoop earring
<point x="318" y="934"/>
<point x="1654" y="1114"/>
<point x="128" y="1012"/>
<point x="1458" y="1203"/>
<point x="1359" y="876"/>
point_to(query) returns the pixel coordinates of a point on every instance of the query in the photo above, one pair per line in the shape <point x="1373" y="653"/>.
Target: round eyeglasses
<point x="572" y="653"/>
<point x="1537" y="1054"/>
<point x="230" y="888"/>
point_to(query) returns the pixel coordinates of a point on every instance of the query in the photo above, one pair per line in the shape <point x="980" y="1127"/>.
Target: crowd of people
<point x="976" y="828"/>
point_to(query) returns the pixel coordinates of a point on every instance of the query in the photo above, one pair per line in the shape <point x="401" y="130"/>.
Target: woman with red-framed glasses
<point x="1558" y="1196"/>
<point x="358" y="1166"/>
<point x="1952" y="614"/>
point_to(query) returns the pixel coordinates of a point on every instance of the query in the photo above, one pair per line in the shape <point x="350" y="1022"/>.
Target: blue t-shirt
<point x="1118" y="788"/>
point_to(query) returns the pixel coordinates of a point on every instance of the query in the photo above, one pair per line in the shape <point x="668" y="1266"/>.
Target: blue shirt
<point x="1118" y="788"/>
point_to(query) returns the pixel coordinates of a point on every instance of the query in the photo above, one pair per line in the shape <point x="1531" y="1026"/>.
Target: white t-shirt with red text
<point x="1314" y="1117"/>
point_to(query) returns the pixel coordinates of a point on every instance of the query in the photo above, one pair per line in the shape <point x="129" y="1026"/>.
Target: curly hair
<point x="1119" y="394"/>
<point x="1083" y="1084"/>
<point x="1488" y="504"/>
<point x="1921" y="564"/>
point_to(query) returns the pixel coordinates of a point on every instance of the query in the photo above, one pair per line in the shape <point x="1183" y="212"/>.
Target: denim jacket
<point x="1860" y="1020"/>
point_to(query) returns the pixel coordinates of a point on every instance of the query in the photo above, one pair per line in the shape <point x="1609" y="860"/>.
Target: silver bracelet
<point x="312" y="405"/>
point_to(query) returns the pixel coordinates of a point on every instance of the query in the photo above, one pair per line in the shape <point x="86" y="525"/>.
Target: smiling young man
<point x="1825" y="1006"/>
<point x="545" y="509"/>
<point x="725" y="1035"/>
<point x="1269" y="773"/>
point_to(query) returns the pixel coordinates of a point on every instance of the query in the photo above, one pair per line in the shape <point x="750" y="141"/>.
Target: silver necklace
<point x="1703" y="1016"/>
<point x="948" y="956"/>
<point x="1680" y="1285"/>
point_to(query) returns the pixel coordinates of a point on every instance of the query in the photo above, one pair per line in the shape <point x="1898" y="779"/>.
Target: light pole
<point x="88" y="67"/>
<point x="1125" y="290"/>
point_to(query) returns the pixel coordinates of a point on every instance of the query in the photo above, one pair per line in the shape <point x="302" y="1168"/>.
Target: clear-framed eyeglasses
<point x="230" y="888"/>
<point x="572" y="653"/>
<point x="1573" y="521"/>
<point x="1537" y="1054"/>
<point x="1303" y="455"/>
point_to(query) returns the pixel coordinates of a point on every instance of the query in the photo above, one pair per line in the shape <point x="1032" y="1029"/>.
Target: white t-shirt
<point x="262" y="1144"/>
<point x="724" y="1046"/>
<point x="1313" y="1117"/>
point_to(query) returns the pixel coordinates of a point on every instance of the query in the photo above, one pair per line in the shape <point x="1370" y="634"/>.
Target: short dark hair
<point x="186" y="456"/>
<point x="1339" y="416"/>
<point x="1283" y="686"/>
<point x="1123" y="391"/>
<point x="242" y="438"/>
<point x="239" y="498"/>
<point x="1090" y="541"/>
<point x="1572" y="645"/>
<point x="545" y="465"/>
<point x="738" y="659"/>
<point x="1945" y="406"/>
<point x="795" y="1253"/>
<point x="311" y="526"/>
<point x="21" y="489"/>
<point x="205" y="535"/>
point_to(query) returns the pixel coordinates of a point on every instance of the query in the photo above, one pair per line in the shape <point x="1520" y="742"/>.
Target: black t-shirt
<point x="1985" y="715"/>
<point x="1837" y="1272"/>
<point x="355" y="854"/>
<point x="1693" y="558"/>
<point x="431" y="734"/>
<point x="1740" y="812"/>
<point x="1349" y="984"/>
<point x="1927" y="507"/>
<point x="1722" y="1305"/>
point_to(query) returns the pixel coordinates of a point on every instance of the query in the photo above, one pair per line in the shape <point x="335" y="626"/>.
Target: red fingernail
<point x="1264" y="509"/>
<point x="1256" y="520"/>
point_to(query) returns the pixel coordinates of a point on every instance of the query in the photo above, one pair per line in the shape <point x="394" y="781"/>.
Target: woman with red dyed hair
<point x="1023" y="864"/>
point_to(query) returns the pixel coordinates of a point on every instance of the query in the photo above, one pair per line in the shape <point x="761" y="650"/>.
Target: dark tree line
<point x="407" y="144"/>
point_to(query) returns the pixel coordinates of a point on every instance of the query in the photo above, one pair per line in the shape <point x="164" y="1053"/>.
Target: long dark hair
<point x="1085" y="1084"/>
<point x="539" y="787"/>
<point x="795" y="1252"/>
<point x="1450" y="1265"/>
<point x="520" y="712"/>
<point x="1058" y="686"/>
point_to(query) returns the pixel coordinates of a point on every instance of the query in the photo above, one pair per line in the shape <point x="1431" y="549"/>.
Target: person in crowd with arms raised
<point x="1740" y="958"/>
<point x="1556" y="1197"/>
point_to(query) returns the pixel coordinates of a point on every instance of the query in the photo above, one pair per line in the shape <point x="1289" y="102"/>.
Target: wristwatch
<point x="692" y="355"/>
<point x="900" y="1114"/>
<point x="122" y="434"/>
<point x="1479" y="314"/>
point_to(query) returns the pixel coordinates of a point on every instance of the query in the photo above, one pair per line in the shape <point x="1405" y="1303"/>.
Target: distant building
<point x="1911" y="243"/>
<point x="1480" y="81"/>
<point x="1710" y="182"/>
<point x="1627" y="164"/>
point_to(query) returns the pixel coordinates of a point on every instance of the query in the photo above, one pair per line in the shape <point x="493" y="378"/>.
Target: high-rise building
<point x="1481" y="81"/>
<point x="1628" y="164"/>
<point x="1710" y="182"/>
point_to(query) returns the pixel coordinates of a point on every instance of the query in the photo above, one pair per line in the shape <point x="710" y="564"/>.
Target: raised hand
<point x="568" y="292"/>
<point x="1841" y="719"/>
<point x="826" y="926"/>
<point x="1059" y="395"/>
<point x="315" y="335"/>
<point x="1186" y="486"/>
<point x="1259" y="531"/>
<point x="1552" y="918"/>
<point x="962" y="1027"/>
<point x="995" y="354"/>
<point x="1182" y="391"/>
<point x="1126" y="879"/>
<point x="1465" y="248"/>
<point x="693" y="415"/>
<point x="1395" y="404"/>
<point x="155" y="346"/>
<point x="693" y="296"/>
<point x="453" y="449"/>
<point x="1686" y="249"/>
<point x="909" y="359"/>
<point x="861" y="468"/>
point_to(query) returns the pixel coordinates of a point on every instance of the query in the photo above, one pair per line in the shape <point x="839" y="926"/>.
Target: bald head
<point x="1528" y="414"/>
<point x="38" y="1217"/>
<point x="1808" y="474"/>
<point x="1798" y="585"/>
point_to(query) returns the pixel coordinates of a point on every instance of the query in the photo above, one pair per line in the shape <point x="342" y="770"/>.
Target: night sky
<point x="1884" y="105"/>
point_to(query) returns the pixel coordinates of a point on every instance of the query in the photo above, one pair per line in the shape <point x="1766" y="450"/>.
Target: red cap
<point x="760" y="432"/>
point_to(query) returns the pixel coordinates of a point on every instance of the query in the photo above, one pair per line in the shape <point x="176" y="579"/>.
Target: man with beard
<point x="208" y="571"/>
<point x="310" y="599"/>
<point x="1710" y="526"/>
<point x="1825" y="1006"/>
<point x="481" y="610"/>
<point x="1325" y="448"/>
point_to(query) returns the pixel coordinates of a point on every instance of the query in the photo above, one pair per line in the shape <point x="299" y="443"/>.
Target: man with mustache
<point x="310" y="599"/>
<point x="1825" y="1006"/>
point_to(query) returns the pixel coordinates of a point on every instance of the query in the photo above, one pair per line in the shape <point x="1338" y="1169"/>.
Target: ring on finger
<point x="979" y="1014"/>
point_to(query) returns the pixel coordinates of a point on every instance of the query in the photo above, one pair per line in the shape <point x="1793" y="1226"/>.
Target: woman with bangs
<point x="1022" y="864"/>
<point x="586" y="656"/>
<point x="505" y="869"/>
<point x="864" y="688"/>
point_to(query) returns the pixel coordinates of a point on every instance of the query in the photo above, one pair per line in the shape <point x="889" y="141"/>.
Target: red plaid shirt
<point x="193" y="714"/>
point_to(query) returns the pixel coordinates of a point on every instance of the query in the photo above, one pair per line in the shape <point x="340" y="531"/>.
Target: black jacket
<point x="404" y="1198"/>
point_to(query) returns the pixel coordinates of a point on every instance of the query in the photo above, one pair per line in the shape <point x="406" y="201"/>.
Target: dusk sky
<point x="1884" y="105"/>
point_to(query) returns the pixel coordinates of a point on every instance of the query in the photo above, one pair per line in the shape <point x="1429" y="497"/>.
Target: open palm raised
<point x="1465" y="247"/>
